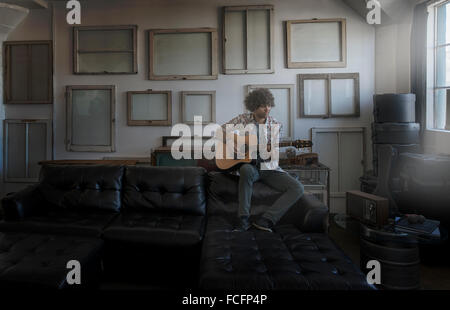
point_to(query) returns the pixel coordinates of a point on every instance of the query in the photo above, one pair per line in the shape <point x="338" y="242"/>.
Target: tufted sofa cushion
<point x="39" y="261"/>
<point x="65" y="222"/>
<point x="167" y="188"/>
<point x="158" y="228"/>
<point x="82" y="187"/>
<point x="308" y="213"/>
<point x="284" y="260"/>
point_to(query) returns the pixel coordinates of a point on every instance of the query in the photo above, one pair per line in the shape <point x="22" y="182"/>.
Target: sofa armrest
<point x="21" y="204"/>
<point x="308" y="214"/>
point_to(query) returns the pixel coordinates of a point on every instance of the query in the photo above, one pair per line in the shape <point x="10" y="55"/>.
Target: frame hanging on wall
<point x="28" y="72"/>
<point x="26" y="143"/>
<point x="329" y="95"/>
<point x="198" y="103"/>
<point x="316" y="43"/>
<point x="183" y="54"/>
<point x="284" y="105"/>
<point x="149" y="108"/>
<point x="247" y="45"/>
<point x="105" y="49"/>
<point x="91" y="118"/>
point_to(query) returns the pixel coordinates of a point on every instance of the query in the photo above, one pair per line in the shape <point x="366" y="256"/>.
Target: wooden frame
<point x="213" y="52"/>
<point x="212" y="94"/>
<point x="289" y="132"/>
<point x="342" y="62"/>
<point x="167" y="122"/>
<point x="329" y="77"/>
<point x="69" y="122"/>
<point x="77" y="51"/>
<point x="7" y="72"/>
<point x="48" y="147"/>
<point x="246" y="53"/>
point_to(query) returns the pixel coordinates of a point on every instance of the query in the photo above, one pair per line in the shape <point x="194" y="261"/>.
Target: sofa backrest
<point x="82" y="187"/>
<point x="165" y="188"/>
<point x="223" y="195"/>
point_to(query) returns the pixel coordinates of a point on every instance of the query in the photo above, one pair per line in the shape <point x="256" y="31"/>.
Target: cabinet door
<point x="343" y="151"/>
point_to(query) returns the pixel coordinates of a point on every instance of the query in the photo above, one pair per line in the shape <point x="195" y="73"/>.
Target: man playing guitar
<point x="259" y="102"/>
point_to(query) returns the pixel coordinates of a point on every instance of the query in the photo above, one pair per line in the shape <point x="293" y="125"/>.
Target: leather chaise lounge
<point x="170" y="226"/>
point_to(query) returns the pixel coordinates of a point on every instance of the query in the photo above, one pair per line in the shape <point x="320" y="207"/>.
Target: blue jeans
<point x="279" y="180"/>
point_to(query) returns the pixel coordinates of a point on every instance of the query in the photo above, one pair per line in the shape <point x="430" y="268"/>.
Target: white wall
<point x="392" y="49"/>
<point x="230" y="89"/>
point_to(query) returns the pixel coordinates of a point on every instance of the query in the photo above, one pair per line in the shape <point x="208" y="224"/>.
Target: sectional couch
<point x="170" y="226"/>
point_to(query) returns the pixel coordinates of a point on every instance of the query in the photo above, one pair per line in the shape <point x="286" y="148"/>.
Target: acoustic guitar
<point x="242" y="155"/>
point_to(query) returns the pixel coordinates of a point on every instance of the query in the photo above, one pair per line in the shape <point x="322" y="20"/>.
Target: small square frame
<point x="212" y="94"/>
<point x="131" y="122"/>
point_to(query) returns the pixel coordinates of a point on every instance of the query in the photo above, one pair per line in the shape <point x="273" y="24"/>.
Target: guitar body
<point x="229" y="164"/>
<point x="228" y="159"/>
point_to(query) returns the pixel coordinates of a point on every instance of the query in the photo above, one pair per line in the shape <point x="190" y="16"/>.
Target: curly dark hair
<point x="257" y="98"/>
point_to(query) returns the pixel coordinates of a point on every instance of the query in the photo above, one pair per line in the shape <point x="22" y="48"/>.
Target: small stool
<point x="40" y="261"/>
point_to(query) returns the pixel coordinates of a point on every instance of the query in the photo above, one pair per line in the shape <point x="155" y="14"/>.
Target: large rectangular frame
<point x="329" y="77"/>
<point x="7" y="71"/>
<point x="90" y="148"/>
<point x="213" y="50"/>
<point x="48" y="146"/>
<point x="211" y="93"/>
<point x="76" y="51"/>
<point x="317" y="64"/>
<point x="291" y="88"/>
<point x="246" y="8"/>
<point x="167" y="122"/>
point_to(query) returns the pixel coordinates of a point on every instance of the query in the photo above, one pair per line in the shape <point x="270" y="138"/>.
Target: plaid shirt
<point x="248" y="118"/>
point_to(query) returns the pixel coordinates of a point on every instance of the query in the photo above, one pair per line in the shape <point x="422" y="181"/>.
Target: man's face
<point x="262" y="111"/>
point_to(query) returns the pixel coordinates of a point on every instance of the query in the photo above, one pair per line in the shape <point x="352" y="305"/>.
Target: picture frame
<point x="183" y="54"/>
<point x="90" y="118"/>
<point x="201" y="102"/>
<point x="283" y="94"/>
<point x="105" y="50"/>
<point x="140" y="111"/>
<point x="329" y="95"/>
<point x="316" y="43"/>
<point x="247" y="39"/>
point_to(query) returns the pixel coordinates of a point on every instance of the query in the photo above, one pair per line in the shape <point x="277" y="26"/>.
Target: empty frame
<point x="316" y="43"/>
<point x="28" y="72"/>
<point x="284" y="106"/>
<point x="91" y="118"/>
<point x="105" y="49"/>
<point x="183" y="54"/>
<point x="27" y="142"/>
<point x="248" y="39"/>
<point x="198" y="103"/>
<point x="149" y="108"/>
<point x="329" y="95"/>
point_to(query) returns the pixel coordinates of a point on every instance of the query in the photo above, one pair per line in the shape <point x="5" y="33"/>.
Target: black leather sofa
<point x="171" y="226"/>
